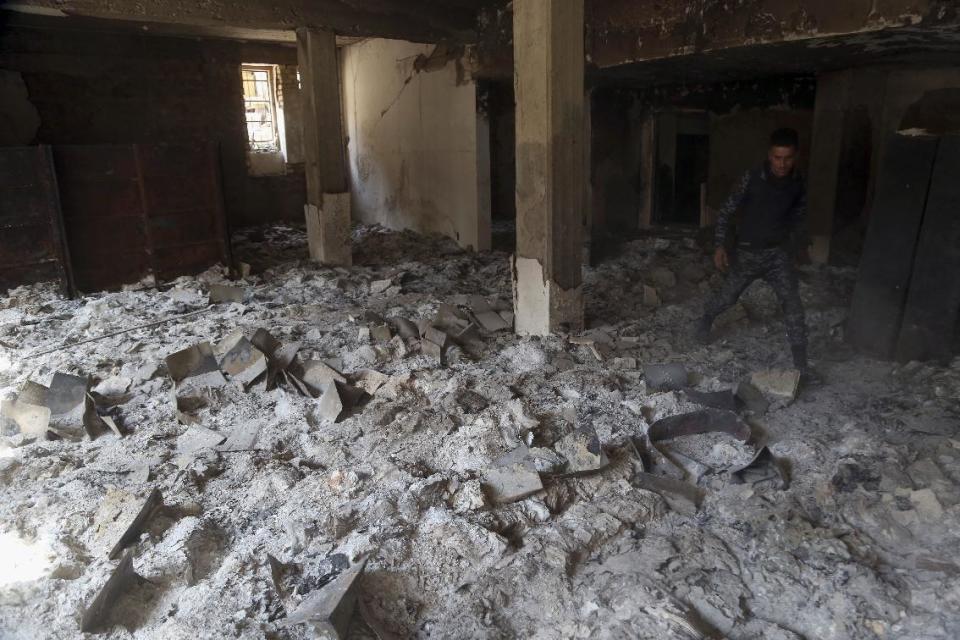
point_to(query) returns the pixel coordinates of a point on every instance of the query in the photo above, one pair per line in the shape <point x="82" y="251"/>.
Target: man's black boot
<point x="702" y="332"/>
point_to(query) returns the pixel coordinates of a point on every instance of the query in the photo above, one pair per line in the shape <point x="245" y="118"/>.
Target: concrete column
<point x="328" y="194"/>
<point x="825" y="150"/>
<point x="549" y="79"/>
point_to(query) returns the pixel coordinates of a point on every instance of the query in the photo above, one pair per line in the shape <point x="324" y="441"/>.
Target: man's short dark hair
<point x="785" y="138"/>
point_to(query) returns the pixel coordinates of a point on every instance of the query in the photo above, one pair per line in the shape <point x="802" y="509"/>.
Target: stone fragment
<point x="491" y="321"/>
<point x="513" y="476"/>
<point x="370" y="380"/>
<point x="240" y="360"/>
<point x="664" y="278"/>
<point x="666" y="377"/>
<point x="151" y="506"/>
<point x="97" y="614"/>
<point x="582" y="450"/>
<point x="225" y="293"/>
<point x="381" y="334"/>
<point x="263" y="340"/>
<point x="926" y="504"/>
<point x="405" y="328"/>
<point x="379" y="286"/>
<point x="399" y="345"/>
<point x="779" y="384"/>
<point x="28" y="411"/>
<point x="318" y="374"/>
<point x="197" y="365"/>
<point x="243" y="437"/>
<point x="436" y="336"/>
<point x="336" y="399"/>
<point x="432" y="350"/>
<point x="195" y="439"/>
<point x="651" y="298"/>
<point x="329" y="610"/>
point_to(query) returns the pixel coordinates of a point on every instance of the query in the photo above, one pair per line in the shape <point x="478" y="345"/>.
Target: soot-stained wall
<point x="118" y="88"/>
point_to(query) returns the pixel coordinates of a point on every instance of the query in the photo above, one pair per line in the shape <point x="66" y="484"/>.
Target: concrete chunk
<point x="513" y="476"/>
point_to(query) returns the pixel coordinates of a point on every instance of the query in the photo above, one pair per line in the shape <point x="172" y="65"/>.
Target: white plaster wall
<point x="413" y="146"/>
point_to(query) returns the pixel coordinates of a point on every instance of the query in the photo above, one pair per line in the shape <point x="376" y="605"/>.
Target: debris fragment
<point x="513" y="476"/>
<point x="195" y="366"/>
<point x="706" y="421"/>
<point x="715" y="400"/>
<point x="97" y="614"/>
<point x="764" y="466"/>
<point x="29" y="410"/>
<point x="780" y="384"/>
<point x="152" y="505"/>
<point x="240" y="360"/>
<point x="582" y="450"/>
<point x="329" y="610"/>
<point x="666" y="377"/>
<point x="225" y="293"/>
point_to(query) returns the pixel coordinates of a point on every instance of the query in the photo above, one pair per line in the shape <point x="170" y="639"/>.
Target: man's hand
<point x="721" y="259"/>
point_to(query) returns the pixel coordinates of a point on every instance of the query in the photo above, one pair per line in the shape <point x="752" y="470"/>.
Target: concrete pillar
<point x="549" y="79"/>
<point x="328" y="194"/>
<point x="825" y="150"/>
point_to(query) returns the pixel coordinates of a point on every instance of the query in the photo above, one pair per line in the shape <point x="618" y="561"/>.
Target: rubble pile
<point x="371" y="453"/>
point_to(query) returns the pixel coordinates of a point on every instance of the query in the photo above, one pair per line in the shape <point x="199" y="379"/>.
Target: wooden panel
<point x="933" y="301"/>
<point x="888" y="253"/>
<point x="31" y="240"/>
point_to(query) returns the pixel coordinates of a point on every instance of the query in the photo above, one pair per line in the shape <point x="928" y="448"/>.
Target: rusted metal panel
<point x="102" y="213"/>
<point x="107" y="215"/>
<point x="31" y="239"/>
<point x="186" y="225"/>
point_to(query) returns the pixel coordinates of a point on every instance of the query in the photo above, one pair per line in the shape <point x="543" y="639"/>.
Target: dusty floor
<point x="863" y="543"/>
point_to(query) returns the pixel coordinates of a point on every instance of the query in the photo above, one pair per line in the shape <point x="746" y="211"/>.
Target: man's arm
<point x="733" y="202"/>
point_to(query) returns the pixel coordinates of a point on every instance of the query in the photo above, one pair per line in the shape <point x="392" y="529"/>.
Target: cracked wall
<point x="416" y="158"/>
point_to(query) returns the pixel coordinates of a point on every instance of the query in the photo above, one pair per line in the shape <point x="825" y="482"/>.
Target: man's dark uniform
<point x="772" y="212"/>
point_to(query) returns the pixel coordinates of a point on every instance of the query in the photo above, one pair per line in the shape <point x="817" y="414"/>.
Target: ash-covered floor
<point x="863" y="542"/>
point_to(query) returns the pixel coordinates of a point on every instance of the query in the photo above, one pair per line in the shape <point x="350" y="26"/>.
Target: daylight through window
<point x="259" y="98"/>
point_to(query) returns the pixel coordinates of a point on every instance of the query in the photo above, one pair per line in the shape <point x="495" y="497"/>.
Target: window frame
<point x="271" y="103"/>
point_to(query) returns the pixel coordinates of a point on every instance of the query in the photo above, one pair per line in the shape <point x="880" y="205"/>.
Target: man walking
<point x="772" y="202"/>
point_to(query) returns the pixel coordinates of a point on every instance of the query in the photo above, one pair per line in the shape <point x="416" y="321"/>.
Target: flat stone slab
<point x="513" y="476"/>
<point x="329" y="610"/>
<point x="779" y="384"/>
<point x="225" y="293"/>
